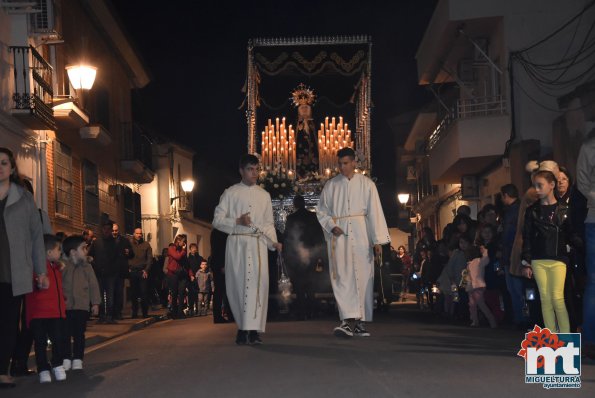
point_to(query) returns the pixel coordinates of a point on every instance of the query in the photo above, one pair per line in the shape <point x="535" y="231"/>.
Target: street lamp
<point x="187" y="187"/>
<point x="81" y="76"/>
<point x="403" y="198"/>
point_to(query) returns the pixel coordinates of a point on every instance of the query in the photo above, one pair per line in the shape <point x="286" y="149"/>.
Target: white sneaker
<point x="77" y="364"/>
<point x="45" y="377"/>
<point x="67" y="364"/>
<point x="59" y="373"/>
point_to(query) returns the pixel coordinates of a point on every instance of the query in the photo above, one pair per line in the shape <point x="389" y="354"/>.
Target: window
<point x="63" y="179"/>
<point x="43" y="21"/>
<point x="91" y="193"/>
<point x="102" y="107"/>
<point x="132" y="212"/>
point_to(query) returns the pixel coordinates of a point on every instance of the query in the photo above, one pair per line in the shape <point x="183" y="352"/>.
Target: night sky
<point x="196" y="54"/>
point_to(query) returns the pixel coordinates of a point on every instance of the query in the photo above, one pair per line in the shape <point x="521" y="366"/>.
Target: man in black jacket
<point x="104" y="254"/>
<point x="304" y="244"/>
<point x="194" y="260"/>
<point x="124" y="253"/>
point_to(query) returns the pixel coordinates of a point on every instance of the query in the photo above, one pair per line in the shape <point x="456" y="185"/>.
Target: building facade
<point x="511" y="80"/>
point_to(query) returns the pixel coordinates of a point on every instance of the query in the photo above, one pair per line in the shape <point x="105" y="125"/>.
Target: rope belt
<point x="334" y="243"/>
<point x="257" y="236"/>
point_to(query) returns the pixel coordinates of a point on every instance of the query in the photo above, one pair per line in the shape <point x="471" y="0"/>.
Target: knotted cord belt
<point x="334" y="243"/>
<point x="257" y="236"/>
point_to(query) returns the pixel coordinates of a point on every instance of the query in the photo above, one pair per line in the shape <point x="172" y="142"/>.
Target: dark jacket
<point x="509" y="224"/>
<point x="303" y="241"/>
<point x="544" y="238"/>
<point x="194" y="261"/>
<point x="143" y="256"/>
<point x="104" y="253"/>
<point x="122" y="246"/>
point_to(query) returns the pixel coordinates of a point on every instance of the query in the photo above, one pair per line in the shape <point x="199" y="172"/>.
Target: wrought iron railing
<point x="33" y="83"/>
<point x="136" y="145"/>
<point x="467" y="108"/>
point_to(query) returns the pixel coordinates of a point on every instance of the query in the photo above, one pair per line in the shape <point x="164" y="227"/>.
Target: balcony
<point x="97" y="133"/>
<point x="68" y="114"/>
<point x="442" y="45"/>
<point x="33" y="94"/>
<point x="136" y="155"/>
<point x="468" y="139"/>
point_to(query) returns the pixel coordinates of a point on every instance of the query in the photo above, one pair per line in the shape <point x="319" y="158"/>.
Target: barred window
<point x="91" y="193"/>
<point x="63" y="179"/>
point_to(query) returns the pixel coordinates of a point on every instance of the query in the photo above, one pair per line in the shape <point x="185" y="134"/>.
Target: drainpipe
<point x="43" y="171"/>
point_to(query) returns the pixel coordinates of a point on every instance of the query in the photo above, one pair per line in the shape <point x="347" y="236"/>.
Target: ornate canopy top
<point x="310" y="40"/>
<point x="303" y="95"/>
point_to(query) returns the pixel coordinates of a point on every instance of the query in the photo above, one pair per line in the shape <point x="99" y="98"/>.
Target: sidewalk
<point x="98" y="333"/>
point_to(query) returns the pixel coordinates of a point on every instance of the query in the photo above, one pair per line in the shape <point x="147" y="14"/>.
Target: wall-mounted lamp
<point x="187" y="187"/>
<point x="403" y="198"/>
<point x="81" y="76"/>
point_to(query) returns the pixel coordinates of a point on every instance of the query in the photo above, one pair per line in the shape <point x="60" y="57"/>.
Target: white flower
<point x="283" y="184"/>
<point x="276" y="185"/>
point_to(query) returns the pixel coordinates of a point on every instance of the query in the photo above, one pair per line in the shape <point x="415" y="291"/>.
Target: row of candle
<point x="331" y="138"/>
<point x="278" y="148"/>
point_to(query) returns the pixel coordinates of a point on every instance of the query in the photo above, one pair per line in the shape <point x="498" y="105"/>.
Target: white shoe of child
<point x="45" y="377"/>
<point x="77" y="364"/>
<point x="67" y="364"/>
<point x="59" y="373"/>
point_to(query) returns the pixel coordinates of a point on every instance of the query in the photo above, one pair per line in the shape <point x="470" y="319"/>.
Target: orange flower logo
<point x="538" y="338"/>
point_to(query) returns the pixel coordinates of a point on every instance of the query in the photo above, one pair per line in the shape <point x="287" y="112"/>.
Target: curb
<point x="141" y="324"/>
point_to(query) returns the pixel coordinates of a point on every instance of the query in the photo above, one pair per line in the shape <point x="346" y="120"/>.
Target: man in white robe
<point x="245" y="213"/>
<point x="351" y="215"/>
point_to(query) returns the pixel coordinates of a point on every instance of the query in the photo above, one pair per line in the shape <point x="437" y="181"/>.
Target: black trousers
<point x="20" y="356"/>
<point x="219" y="295"/>
<point x="118" y="297"/>
<point x="10" y="307"/>
<point x="177" y="289"/>
<point x="52" y="329"/>
<point x="107" y="285"/>
<point x="76" y="326"/>
<point x="192" y="293"/>
<point x="138" y="291"/>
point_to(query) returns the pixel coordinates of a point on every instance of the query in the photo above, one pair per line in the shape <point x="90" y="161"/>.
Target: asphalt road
<point x="410" y="354"/>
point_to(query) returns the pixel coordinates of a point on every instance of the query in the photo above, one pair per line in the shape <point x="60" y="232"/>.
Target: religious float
<point x="306" y="98"/>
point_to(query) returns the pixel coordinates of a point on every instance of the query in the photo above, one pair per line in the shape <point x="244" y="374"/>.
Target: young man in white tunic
<point x="351" y="216"/>
<point x="245" y="213"/>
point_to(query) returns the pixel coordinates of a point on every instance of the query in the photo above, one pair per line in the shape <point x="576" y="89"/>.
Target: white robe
<point x="246" y="256"/>
<point x="354" y="206"/>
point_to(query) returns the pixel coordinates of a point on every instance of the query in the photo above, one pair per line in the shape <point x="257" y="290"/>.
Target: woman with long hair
<point x="177" y="275"/>
<point x="21" y="253"/>
<point x="545" y="236"/>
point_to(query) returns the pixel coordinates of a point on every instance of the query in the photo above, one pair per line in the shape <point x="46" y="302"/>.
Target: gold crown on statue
<point x="303" y="95"/>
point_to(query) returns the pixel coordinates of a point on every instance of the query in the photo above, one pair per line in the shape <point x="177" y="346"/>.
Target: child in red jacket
<point x="46" y="314"/>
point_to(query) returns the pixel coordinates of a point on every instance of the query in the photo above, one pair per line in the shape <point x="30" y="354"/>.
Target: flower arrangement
<point x="278" y="184"/>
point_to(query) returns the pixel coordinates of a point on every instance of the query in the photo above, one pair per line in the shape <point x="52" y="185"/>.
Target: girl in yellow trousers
<point x="546" y="235"/>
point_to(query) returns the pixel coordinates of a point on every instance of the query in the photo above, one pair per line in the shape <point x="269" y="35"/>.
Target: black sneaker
<point x="344" y="330"/>
<point x="242" y="337"/>
<point x="254" y="338"/>
<point x="360" y="330"/>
